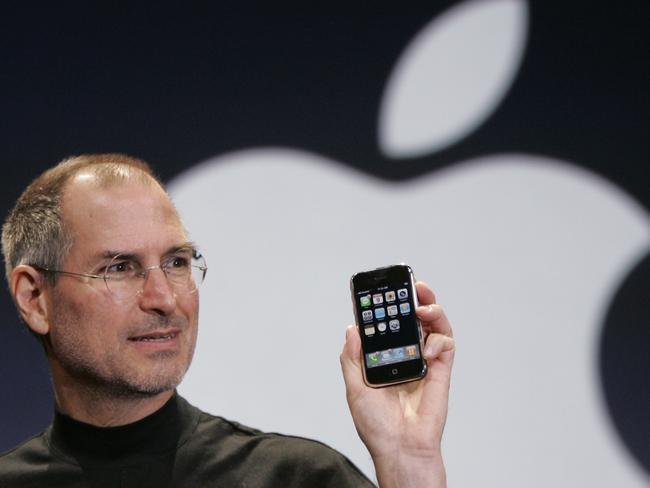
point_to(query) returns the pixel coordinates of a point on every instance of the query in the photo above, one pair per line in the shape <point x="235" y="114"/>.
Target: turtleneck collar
<point x="163" y="430"/>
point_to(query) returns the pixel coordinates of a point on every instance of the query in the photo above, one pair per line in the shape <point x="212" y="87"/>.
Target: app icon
<point x="405" y="308"/>
<point x="386" y="355"/>
<point x="367" y="315"/>
<point x="411" y="351"/>
<point x="392" y="310"/>
<point x="394" y="325"/>
<point x="398" y="353"/>
<point x="402" y="293"/>
<point x="377" y="299"/>
<point x="373" y="357"/>
<point x="381" y="326"/>
<point x="370" y="330"/>
<point x="390" y="296"/>
<point x="365" y="301"/>
<point x="380" y="313"/>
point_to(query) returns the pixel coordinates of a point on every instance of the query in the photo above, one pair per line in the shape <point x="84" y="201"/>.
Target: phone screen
<point x="385" y="304"/>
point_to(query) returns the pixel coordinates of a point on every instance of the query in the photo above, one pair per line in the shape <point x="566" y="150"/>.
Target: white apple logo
<point x="524" y="253"/>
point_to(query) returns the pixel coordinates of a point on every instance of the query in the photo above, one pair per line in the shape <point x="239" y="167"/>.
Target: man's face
<point x="139" y="346"/>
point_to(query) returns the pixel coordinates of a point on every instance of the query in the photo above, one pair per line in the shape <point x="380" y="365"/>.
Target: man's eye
<point x="120" y="267"/>
<point x="178" y="262"/>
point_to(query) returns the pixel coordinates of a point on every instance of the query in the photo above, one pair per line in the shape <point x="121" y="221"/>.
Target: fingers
<point x="425" y="293"/>
<point x="434" y="320"/>
<point x="437" y="344"/>
<point x="431" y="315"/>
<point x="439" y="354"/>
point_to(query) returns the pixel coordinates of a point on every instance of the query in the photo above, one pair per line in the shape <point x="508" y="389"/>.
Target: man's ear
<point x="27" y="286"/>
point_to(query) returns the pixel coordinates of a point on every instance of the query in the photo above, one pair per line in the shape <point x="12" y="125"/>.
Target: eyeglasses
<point x="125" y="276"/>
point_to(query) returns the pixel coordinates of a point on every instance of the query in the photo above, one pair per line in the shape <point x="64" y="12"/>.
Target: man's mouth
<point x="155" y="337"/>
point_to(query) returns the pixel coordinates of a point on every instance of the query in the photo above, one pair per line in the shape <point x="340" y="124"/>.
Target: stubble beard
<point x="111" y="378"/>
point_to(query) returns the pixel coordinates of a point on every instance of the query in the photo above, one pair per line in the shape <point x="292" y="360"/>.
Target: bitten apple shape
<point x="523" y="252"/>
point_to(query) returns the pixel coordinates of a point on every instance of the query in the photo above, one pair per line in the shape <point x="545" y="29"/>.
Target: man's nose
<point x="157" y="294"/>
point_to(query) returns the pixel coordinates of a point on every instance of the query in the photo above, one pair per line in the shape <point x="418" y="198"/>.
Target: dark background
<point x="178" y="83"/>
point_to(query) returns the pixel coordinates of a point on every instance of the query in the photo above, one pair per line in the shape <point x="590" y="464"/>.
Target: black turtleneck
<point x="176" y="446"/>
<point x="143" y="450"/>
<point x="113" y="447"/>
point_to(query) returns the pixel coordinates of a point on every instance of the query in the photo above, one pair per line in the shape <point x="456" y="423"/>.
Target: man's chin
<point x="153" y="386"/>
<point x="162" y="371"/>
<point x="144" y="384"/>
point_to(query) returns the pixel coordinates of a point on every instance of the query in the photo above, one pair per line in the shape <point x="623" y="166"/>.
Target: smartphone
<point x="384" y="302"/>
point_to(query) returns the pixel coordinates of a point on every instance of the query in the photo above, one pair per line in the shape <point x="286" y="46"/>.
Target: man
<point x="101" y="270"/>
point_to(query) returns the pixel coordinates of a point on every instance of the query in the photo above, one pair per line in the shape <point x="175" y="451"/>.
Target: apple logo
<point x="525" y="253"/>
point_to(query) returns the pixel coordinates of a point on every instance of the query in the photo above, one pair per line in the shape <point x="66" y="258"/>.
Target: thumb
<point x="351" y="360"/>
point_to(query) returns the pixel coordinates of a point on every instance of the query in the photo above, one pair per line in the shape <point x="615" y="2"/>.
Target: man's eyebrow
<point x="109" y="253"/>
<point x="185" y="245"/>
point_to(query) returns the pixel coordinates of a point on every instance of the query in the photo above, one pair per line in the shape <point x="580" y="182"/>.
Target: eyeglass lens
<point x="185" y="271"/>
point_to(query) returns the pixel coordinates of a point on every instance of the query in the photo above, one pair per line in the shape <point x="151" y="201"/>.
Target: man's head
<point x="75" y="218"/>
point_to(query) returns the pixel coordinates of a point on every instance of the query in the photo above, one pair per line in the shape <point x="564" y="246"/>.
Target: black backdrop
<point x="179" y="83"/>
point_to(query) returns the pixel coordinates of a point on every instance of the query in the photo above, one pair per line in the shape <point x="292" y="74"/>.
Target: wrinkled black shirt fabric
<point x="177" y="446"/>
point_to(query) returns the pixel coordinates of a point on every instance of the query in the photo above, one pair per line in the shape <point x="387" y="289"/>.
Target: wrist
<point x="410" y="470"/>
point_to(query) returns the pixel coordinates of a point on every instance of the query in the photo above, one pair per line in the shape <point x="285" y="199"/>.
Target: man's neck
<point x="95" y="407"/>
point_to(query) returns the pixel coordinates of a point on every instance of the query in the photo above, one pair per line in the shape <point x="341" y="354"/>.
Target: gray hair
<point x="34" y="232"/>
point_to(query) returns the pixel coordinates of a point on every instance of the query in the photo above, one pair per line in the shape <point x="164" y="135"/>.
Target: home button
<point x="394" y="371"/>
